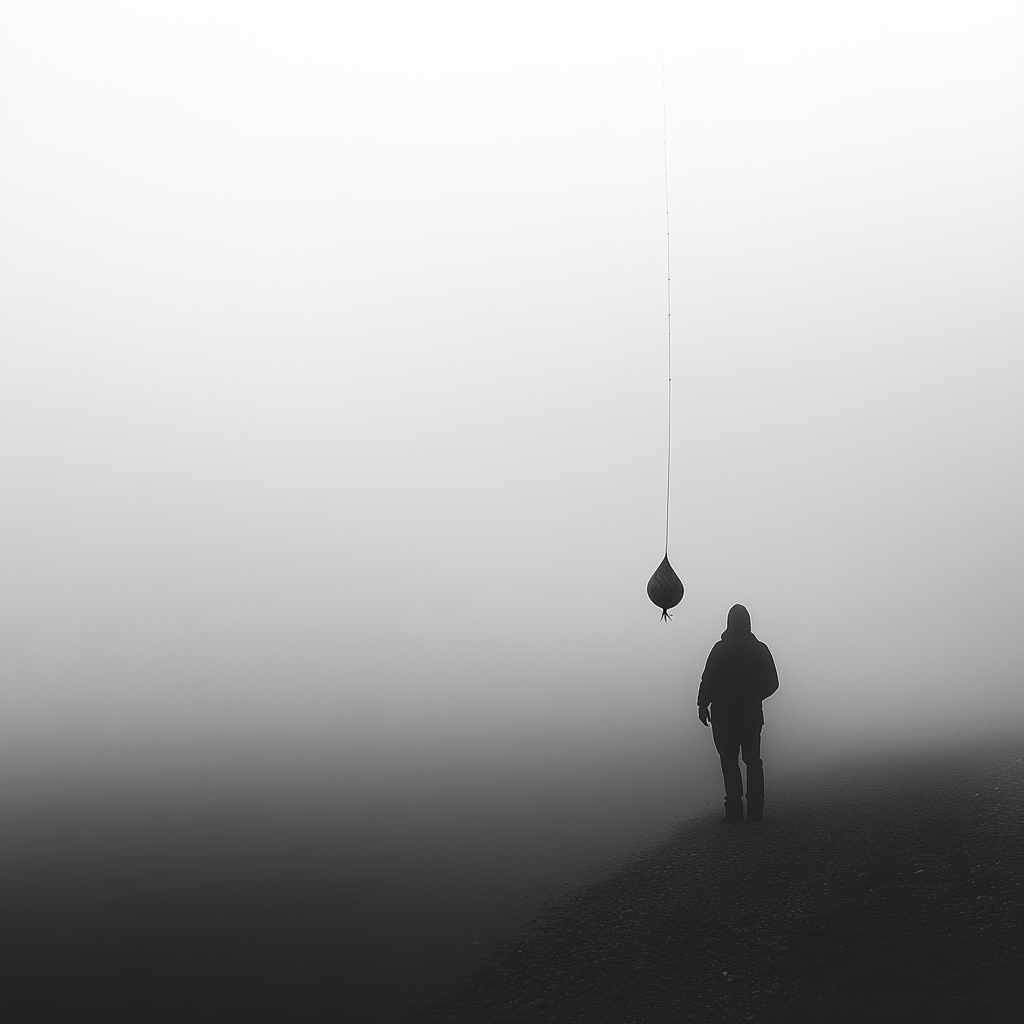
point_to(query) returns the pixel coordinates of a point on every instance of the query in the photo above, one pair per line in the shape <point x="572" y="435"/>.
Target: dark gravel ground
<point x="887" y="891"/>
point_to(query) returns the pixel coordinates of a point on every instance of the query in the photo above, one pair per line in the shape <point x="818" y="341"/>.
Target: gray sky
<point x="332" y="407"/>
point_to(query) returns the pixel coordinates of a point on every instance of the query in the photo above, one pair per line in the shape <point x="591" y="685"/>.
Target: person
<point x="739" y="674"/>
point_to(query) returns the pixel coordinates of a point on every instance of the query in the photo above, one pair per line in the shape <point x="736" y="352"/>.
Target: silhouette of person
<point x="739" y="674"/>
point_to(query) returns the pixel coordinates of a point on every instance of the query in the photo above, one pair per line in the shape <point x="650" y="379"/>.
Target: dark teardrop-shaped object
<point x="665" y="588"/>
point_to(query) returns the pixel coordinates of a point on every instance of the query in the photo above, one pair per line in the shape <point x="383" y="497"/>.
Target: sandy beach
<point x="885" y="889"/>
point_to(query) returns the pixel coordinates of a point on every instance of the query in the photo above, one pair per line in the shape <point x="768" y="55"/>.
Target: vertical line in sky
<point x="668" y="268"/>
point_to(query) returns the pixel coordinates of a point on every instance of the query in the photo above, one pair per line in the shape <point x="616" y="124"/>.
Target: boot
<point x="733" y="811"/>
<point x="755" y="812"/>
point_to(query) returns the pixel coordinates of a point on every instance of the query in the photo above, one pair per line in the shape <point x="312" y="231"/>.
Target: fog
<point x="333" y="380"/>
<point x="333" y="419"/>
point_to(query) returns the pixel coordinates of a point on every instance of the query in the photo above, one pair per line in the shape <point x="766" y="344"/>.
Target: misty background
<point x="333" y="399"/>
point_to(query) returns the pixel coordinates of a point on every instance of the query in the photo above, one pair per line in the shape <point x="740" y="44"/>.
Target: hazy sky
<point x="332" y="407"/>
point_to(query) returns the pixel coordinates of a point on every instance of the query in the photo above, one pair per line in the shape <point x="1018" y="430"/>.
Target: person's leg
<point x="751" y="744"/>
<point x="727" y="743"/>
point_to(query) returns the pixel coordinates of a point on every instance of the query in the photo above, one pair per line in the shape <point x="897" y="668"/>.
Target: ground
<point x="886" y="890"/>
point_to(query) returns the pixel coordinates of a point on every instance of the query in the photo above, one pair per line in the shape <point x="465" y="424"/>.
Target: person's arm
<point x="770" y="674"/>
<point x="705" y="694"/>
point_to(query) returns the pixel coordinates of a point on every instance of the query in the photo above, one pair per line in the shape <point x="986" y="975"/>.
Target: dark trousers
<point x="730" y="739"/>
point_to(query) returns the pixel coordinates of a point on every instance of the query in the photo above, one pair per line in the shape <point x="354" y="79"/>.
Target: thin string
<point x="668" y="267"/>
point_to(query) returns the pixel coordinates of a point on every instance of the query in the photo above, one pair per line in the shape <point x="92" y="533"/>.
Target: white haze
<point x="333" y="409"/>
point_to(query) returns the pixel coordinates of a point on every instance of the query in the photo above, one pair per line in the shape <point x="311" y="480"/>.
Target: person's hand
<point x="702" y="714"/>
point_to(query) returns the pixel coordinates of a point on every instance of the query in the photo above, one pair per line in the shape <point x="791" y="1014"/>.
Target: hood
<point x="738" y="623"/>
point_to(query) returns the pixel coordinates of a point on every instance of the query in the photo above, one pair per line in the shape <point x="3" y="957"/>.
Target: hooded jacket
<point x="739" y="674"/>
